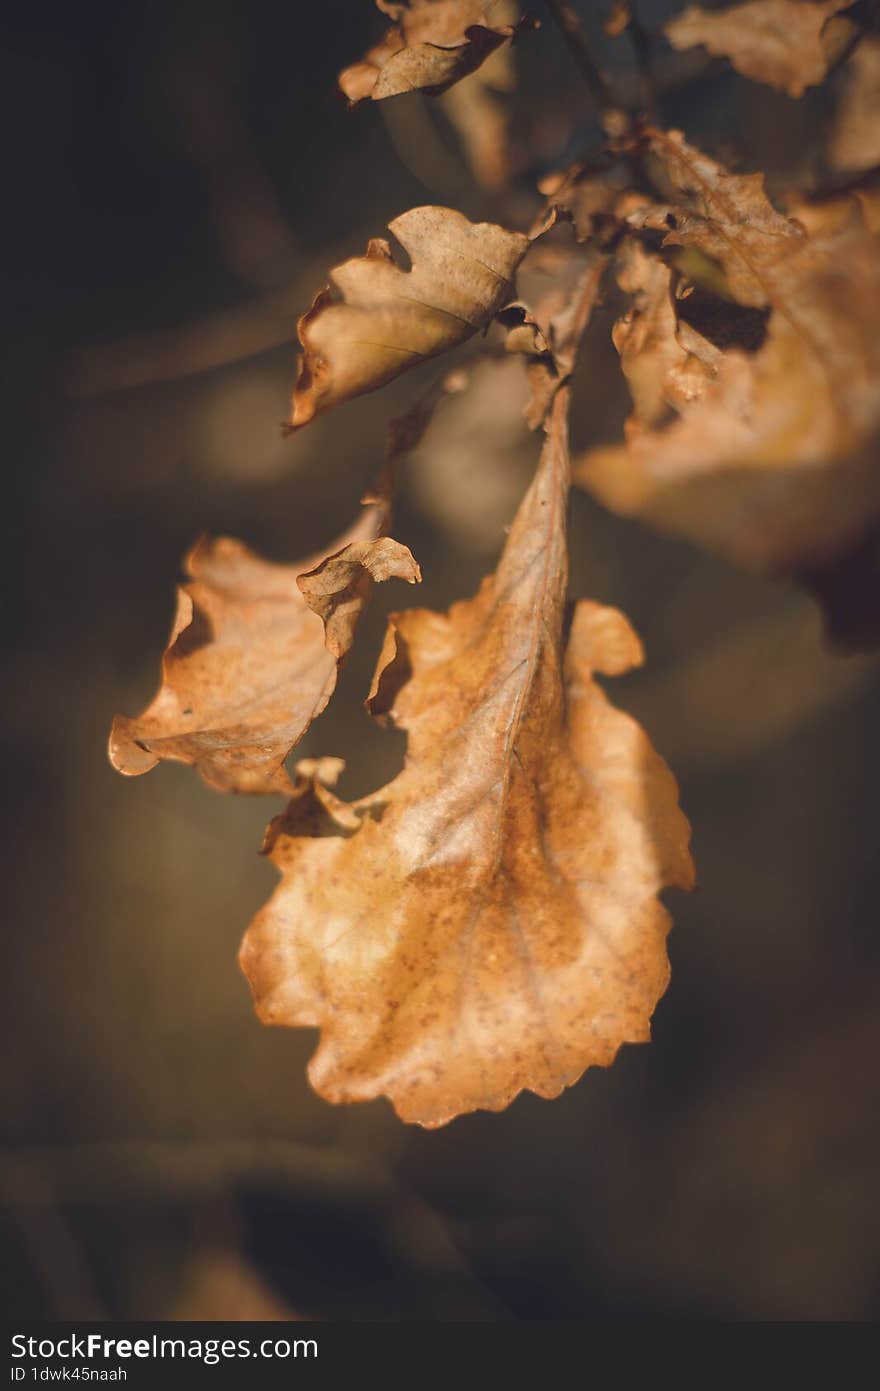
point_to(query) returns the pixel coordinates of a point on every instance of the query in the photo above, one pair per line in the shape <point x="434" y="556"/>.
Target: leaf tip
<point x="127" y="754"/>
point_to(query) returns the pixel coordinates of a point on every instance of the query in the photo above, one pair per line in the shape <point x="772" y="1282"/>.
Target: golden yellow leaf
<point x="788" y="44"/>
<point x="253" y="656"/>
<point x="432" y="45"/>
<point x="489" y="921"/>
<point x="770" y="455"/>
<point x="375" y="320"/>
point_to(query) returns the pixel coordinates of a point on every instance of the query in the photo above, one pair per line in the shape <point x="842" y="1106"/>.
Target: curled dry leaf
<point x="523" y="334"/>
<point x="255" y="647"/>
<point x="245" y="672"/>
<point x="588" y="195"/>
<point x="432" y="45"/>
<point x="334" y="589"/>
<point x="248" y="665"/>
<point x="374" y="320"/>
<point x="488" y="921"/>
<point x="789" y="44"/>
<point x="666" y="362"/>
<point x="728" y="219"/>
<point x="769" y="454"/>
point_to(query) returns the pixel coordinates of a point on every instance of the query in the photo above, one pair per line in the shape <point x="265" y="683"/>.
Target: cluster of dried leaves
<point x="489" y="921"/>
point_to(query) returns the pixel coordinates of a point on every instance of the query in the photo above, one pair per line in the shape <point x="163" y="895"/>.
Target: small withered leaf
<point x="374" y="320"/>
<point x="488" y="922"/>
<point x="432" y="45"/>
<point x="333" y="589"/>
<point x="788" y="44"/>
<point x="523" y="334"/>
<point x="769" y="455"/>
<point x="665" y="361"/>
<point x="255" y="648"/>
<point x="589" y="195"/>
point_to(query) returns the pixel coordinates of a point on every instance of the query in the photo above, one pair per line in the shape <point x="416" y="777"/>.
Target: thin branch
<point x="566" y="17"/>
<point x="643" y="47"/>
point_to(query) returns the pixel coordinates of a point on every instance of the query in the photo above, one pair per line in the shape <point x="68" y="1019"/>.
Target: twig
<point x="566" y="17"/>
<point x="643" y="47"/>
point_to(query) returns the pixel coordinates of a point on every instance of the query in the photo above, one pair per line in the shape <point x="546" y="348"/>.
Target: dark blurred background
<point x="177" y="177"/>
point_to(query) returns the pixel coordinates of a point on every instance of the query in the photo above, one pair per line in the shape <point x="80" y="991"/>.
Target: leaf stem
<point x="566" y="17"/>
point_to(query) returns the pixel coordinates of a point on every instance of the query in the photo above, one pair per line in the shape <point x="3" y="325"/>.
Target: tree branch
<point x="566" y="17"/>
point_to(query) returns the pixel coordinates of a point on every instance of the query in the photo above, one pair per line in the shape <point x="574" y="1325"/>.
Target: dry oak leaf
<point x="374" y="320"/>
<point x="770" y="455"/>
<point x="789" y="44"/>
<point x="727" y="218"/>
<point x="488" y="922"/>
<point x="253" y="656"/>
<point x="432" y="45"/>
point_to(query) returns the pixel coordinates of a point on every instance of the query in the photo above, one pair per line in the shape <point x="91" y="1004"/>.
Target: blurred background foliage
<point x="178" y="176"/>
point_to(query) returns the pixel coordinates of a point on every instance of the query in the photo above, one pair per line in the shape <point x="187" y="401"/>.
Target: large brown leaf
<point x="253" y="656"/>
<point x="789" y="44"/>
<point x="432" y="45"/>
<point x="374" y="320"/>
<point x="769" y="454"/>
<point x="488" y="921"/>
